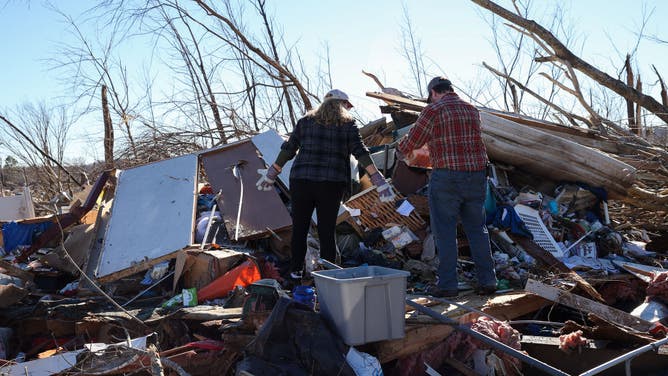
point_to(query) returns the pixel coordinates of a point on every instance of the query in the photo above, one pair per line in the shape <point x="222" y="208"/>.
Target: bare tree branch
<point x="39" y="150"/>
<point x="572" y="117"/>
<point x="563" y="53"/>
<point x="275" y="64"/>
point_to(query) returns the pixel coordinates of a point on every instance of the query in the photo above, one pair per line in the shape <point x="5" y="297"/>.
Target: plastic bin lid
<point x="361" y="272"/>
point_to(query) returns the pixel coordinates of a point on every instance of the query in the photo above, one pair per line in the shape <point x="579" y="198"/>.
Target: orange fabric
<point x="420" y="158"/>
<point x="242" y="275"/>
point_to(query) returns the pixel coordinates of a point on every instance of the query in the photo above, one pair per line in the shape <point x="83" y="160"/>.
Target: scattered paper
<point x="405" y="208"/>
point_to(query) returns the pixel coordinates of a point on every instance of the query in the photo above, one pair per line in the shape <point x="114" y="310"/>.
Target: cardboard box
<point x="199" y="268"/>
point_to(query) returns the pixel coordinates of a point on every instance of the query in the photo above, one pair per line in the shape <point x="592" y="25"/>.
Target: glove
<point x="267" y="178"/>
<point x="385" y="192"/>
<point x="399" y="156"/>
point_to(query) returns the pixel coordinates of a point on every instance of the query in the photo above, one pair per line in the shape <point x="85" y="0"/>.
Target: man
<point x="450" y="127"/>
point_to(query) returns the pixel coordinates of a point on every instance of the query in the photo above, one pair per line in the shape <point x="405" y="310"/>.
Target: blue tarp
<point x="506" y="218"/>
<point x="16" y="234"/>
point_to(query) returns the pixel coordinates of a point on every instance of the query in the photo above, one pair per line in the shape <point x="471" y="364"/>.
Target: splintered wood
<point x="374" y="213"/>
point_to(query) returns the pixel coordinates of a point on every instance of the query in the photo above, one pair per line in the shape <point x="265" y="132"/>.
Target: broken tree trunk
<point x="542" y="153"/>
<point x="630" y="112"/>
<point x="108" y="132"/>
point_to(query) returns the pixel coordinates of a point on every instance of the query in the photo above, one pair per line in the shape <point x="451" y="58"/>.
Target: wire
<point x="83" y="274"/>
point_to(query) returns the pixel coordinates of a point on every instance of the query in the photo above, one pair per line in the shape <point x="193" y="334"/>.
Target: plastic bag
<point x="363" y="364"/>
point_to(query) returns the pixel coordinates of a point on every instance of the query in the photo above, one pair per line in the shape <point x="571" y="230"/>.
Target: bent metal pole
<point x="490" y="341"/>
<point x="625" y="358"/>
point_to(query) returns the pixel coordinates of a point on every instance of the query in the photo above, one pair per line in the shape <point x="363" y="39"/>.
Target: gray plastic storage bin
<point x="365" y="303"/>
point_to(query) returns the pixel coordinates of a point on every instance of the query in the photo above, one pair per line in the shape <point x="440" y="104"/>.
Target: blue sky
<point x="361" y="34"/>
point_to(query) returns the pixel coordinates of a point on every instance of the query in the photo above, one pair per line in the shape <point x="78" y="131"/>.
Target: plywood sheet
<point x="152" y="214"/>
<point x="260" y="210"/>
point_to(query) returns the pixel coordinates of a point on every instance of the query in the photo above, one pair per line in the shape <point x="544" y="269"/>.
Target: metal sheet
<point x="269" y="144"/>
<point x="259" y="210"/>
<point x="13" y="208"/>
<point x="152" y="214"/>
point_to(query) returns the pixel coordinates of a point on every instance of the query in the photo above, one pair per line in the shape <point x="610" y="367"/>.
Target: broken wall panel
<point x="269" y="144"/>
<point x="152" y="214"/>
<point x="260" y="210"/>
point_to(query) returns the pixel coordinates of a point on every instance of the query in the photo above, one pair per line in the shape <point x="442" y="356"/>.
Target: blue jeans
<point x="454" y="195"/>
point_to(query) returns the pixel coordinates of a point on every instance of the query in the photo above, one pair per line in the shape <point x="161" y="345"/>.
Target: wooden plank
<point x="15" y="271"/>
<point x="95" y="247"/>
<point x="586" y="305"/>
<point x="512" y="305"/>
<point x="406" y="103"/>
<point x="545" y="257"/>
<point x="136" y="268"/>
<point x="461" y="367"/>
<point x="644" y="272"/>
<point x="417" y="338"/>
<point x="207" y="313"/>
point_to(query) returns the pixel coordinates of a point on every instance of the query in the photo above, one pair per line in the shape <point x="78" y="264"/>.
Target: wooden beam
<point x="417" y="338"/>
<point x="586" y="305"/>
<point x="15" y="271"/>
<point x="140" y="267"/>
<point x="461" y="367"/>
<point x="548" y="259"/>
<point x="208" y="313"/>
<point x="513" y="305"/>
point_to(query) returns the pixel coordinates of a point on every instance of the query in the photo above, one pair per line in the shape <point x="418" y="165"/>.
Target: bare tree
<point x="411" y="50"/>
<point x="38" y="139"/>
<point x="556" y="51"/>
<point x="90" y="68"/>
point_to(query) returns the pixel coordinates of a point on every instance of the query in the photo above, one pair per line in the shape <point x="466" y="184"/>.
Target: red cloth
<point x="451" y="130"/>
<point x="206" y="190"/>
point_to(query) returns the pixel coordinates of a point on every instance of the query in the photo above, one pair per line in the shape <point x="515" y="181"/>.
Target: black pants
<point x="325" y="197"/>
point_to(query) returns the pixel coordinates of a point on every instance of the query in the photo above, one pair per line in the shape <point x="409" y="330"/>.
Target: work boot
<point x="438" y="292"/>
<point x="485" y="290"/>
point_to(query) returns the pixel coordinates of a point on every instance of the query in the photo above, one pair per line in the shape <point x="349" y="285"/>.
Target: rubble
<point x="178" y="266"/>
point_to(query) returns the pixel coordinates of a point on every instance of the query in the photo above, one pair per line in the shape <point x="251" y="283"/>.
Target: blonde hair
<point x="330" y="112"/>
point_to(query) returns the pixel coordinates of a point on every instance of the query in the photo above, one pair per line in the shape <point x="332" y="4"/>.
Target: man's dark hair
<point x="442" y="88"/>
<point x="438" y="84"/>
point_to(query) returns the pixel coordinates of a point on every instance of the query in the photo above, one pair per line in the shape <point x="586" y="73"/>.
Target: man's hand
<point x="398" y="155"/>
<point x="385" y="191"/>
<point x="267" y="178"/>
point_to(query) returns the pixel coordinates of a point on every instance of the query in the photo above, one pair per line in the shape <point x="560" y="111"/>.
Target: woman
<point x="325" y="138"/>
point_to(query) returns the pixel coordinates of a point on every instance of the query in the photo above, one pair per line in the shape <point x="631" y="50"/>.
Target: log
<point x="542" y="153"/>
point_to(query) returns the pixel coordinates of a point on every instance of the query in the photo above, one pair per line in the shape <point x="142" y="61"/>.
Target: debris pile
<point x="179" y="266"/>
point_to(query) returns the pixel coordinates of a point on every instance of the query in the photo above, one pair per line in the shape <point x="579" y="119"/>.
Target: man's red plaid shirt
<point x="451" y="130"/>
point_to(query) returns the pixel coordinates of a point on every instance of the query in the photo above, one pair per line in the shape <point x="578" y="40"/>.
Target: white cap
<point x="336" y="94"/>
